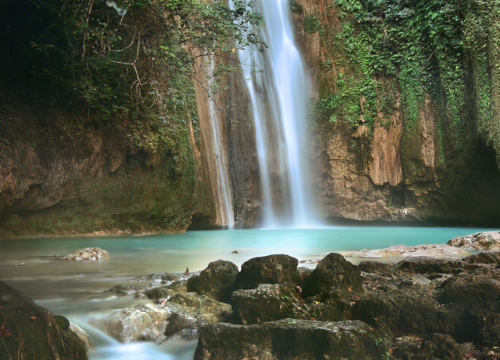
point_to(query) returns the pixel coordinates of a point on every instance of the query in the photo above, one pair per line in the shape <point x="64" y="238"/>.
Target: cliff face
<point x="62" y="174"/>
<point x="396" y="167"/>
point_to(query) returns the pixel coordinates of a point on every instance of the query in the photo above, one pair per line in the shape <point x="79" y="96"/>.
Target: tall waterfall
<point x="278" y="84"/>
<point x="225" y="203"/>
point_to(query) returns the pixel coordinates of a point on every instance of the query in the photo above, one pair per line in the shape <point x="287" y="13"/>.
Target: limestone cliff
<point x="395" y="168"/>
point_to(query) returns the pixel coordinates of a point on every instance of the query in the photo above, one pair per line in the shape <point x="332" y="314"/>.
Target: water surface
<point x="75" y="289"/>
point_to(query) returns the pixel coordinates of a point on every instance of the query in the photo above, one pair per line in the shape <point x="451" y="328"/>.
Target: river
<point x="75" y="289"/>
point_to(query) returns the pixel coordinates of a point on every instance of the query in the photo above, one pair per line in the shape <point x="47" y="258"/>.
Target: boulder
<point x="159" y="294"/>
<point x="29" y="331"/>
<point x="416" y="281"/>
<point x="473" y="293"/>
<point x="178" y="286"/>
<point x="292" y="339"/>
<point x="88" y="254"/>
<point x="127" y="290"/>
<point x="486" y="240"/>
<point x="334" y="271"/>
<point x="200" y="307"/>
<point x="435" y="346"/>
<point x="272" y="269"/>
<point x="407" y="311"/>
<point x="267" y="303"/>
<point x="141" y="323"/>
<point x="216" y="281"/>
<point x="374" y="267"/>
<point x="484" y="258"/>
<point x="428" y="265"/>
<point x="88" y="344"/>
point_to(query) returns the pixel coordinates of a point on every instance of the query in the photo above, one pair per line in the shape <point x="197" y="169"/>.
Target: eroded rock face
<point x="272" y="269"/>
<point x="267" y="303"/>
<point x="28" y="331"/>
<point x="292" y="339"/>
<point x="87" y="342"/>
<point x="334" y="271"/>
<point x="487" y="240"/>
<point x="216" y="281"/>
<point x="435" y="346"/>
<point x="88" y="254"/>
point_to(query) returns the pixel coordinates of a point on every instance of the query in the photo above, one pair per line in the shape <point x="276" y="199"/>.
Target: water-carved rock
<point x="272" y="269"/>
<point x="88" y="254"/>
<point x="216" y="281"/>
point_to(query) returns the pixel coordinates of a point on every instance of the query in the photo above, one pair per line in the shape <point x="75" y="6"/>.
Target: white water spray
<point x="279" y="95"/>
<point x="222" y="171"/>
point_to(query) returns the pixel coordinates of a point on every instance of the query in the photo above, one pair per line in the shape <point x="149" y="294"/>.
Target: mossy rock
<point x="216" y="281"/>
<point x="272" y="269"/>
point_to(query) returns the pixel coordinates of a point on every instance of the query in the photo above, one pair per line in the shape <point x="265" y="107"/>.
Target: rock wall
<point x="402" y="170"/>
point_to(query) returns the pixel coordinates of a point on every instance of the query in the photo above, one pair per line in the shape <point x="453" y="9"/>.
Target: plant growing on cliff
<point x="311" y="23"/>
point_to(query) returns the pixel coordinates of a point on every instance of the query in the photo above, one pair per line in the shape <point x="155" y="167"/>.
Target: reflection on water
<point x="76" y="289"/>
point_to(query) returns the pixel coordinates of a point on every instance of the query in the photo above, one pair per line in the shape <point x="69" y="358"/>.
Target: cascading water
<point x="222" y="170"/>
<point x="279" y="95"/>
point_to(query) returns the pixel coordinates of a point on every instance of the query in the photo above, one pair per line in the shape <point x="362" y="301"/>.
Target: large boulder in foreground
<point x="435" y="346"/>
<point x="429" y="265"/>
<point x="334" y="271"/>
<point x="267" y="303"/>
<point x="31" y="332"/>
<point x="486" y="240"/>
<point x="292" y="339"/>
<point x="94" y="254"/>
<point x="216" y="281"/>
<point x="272" y="269"/>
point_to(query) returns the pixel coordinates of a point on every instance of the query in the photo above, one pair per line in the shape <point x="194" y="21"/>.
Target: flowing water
<point x="278" y="85"/>
<point x="76" y="289"/>
<point x="222" y="172"/>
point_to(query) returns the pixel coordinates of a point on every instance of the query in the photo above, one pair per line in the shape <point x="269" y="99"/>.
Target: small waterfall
<point x="222" y="169"/>
<point x="278" y="84"/>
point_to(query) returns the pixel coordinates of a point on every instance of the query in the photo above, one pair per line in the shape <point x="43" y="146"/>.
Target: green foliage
<point x="311" y="23"/>
<point x="130" y="63"/>
<point x="296" y="8"/>
<point x="423" y="46"/>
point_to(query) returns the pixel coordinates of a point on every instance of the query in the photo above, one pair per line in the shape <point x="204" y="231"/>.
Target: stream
<point x="75" y="289"/>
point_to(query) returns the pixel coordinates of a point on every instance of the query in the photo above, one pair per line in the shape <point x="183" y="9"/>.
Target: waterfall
<point x="278" y="85"/>
<point x="225" y="203"/>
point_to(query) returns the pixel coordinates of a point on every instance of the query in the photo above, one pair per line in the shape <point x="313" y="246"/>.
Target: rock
<point x="476" y="275"/>
<point x="487" y="240"/>
<point x="201" y="307"/>
<point x="127" y="290"/>
<point x="332" y="272"/>
<point x="29" y="331"/>
<point x="303" y="271"/>
<point x="239" y="251"/>
<point x="88" y="254"/>
<point x="83" y="336"/>
<point x="267" y="303"/>
<point x="165" y="278"/>
<point x="334" y="305"/>
<point x="484" y="258"/>
<point x="473" y="293"/>
<point x="374" y="267"/>
<point x="407" y="311"/>
<point x="179" y="286"/>
<point x="416" y="281"/>
<point x="426" y="265"/>
<point x="159" y="294"/>
<point x="141" y="323"/>
<point x="216" y="281"/>
<point x="292" y="339"/>
<point x="435" y="346"/>
<point x="272" y="269"/>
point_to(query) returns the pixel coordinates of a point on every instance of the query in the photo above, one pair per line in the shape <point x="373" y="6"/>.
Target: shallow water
<point x="75" y="289"/>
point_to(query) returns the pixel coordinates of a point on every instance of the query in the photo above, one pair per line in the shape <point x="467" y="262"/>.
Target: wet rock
<point x="484" y="258"/>
<point x="127" y="290"/>
<point x="141" y="323"/>
<point x="239" y="251"/>
<point x="83" y="336"/>
<point x="267" y="303"/>
<point x="216" y="281"/>
<point x="332" y="272"/>
<point x="29" y="331"/>
<point x="407" y="311"/>
<point x="334" y="305"/>
<point x="374" y="267"/>
<point x="427" y="265"/>
<point x="165" y="278"/>
<point x="476" y="275"/>
<point x="272" y="269"/>
<point x="88" y="254"/>
<point x="179" y="286"/>
<point x="159" y="294"/>
<point x="435" y="346"/>
<point x="416" y="281"/>
<point x="472" y="293"/>
<point x="487" y="240"/>
<point x="292" y="339"/>
<point x="200" y="307"/>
